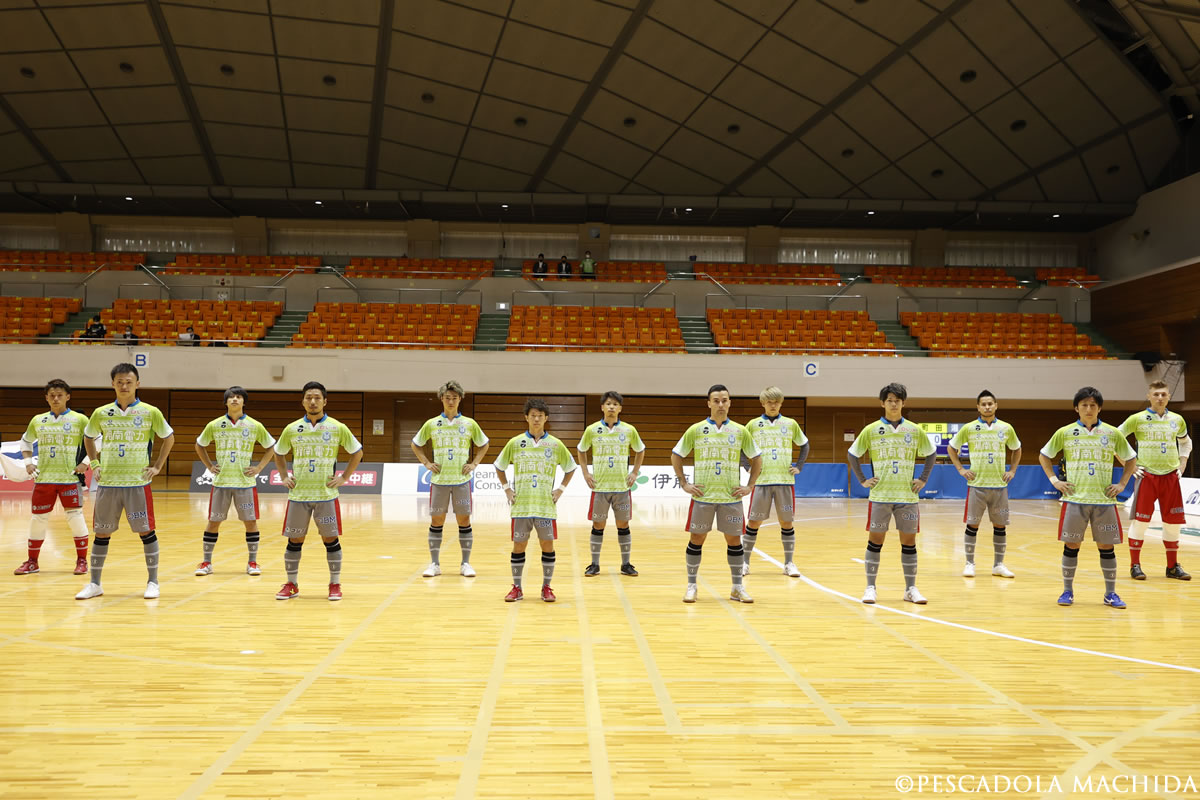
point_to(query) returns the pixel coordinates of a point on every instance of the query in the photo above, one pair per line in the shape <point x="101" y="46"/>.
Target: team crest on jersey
<point x="326" y="436"/>
<point x="621" y="437"/>
<point x="67" y="427"/>
<point x="908" y="438"/>
<point x="137" y="422"/>
<point x="1104" y="440"/>
<point x="732" y="439"/>
<point x="245" y="433"/>
<point x="1174" y="424"/>
<point x="549" y="454"/>
<point x="462" y="429"/>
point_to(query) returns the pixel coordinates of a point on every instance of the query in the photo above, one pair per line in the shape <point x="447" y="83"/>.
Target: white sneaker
<point x="740" y="594"/>
<point x="913" y="596"/>
<point x="689" y="596"/>
<point x="1001" y="571"/>
<point x="432" y="571"/>
<point x="791" y="570"/>
<point x="869" y="595"/>
<point x="466" y="570"/>
<point x="151" y="592"/>
<point x="969" y="570"/>
<point x="90" y="591"/>
<point x="746" y="568"/>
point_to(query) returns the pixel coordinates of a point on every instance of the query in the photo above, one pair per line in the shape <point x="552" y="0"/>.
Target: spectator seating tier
<point x="1003" y="335"/>
<point x="61" y="261"/>
<point x="812" y="332"/>
<point x="431" y="268"/>
<point x="612" y="271"/>
<point x="159" y="322"/>
<point x="595" y="328"/>
<point x="209" y="264"/>
<point x="23" y="319"/>
<point x="404" y="326"/>
<point x="1067" y="276"/>
<point x="771" y="274"/>
<point x="943" y="277"/>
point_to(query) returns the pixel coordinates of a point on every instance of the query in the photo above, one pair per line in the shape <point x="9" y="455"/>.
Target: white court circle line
<point x="985" y="631"/>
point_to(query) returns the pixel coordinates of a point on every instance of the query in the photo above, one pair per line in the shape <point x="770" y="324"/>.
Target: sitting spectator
<point x="587" y="267"/>
<point x="564" y="268"/>
<point x="128" y="338"/>
<point x="540" y="267"/>
<point x="95" y="329"/>
<point x="189" y="338"/>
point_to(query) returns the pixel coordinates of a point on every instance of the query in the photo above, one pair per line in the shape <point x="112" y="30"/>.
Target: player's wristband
<point x="29" y="462"/>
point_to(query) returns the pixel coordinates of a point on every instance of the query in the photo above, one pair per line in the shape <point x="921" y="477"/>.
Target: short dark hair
<point x="897" y="389"/>
<point x="536" y="404"/>
<point x="124" y="368"/>
<point x="717" y="387"/>
<point x="56" y="383"/>
<point x="236" y="391"/>
<point x="983" y="394"/>
<point x="540" y="255"/>
<point x="1088" y="392"/>
<point x="314" y="385"/>
<point x="612" y="395"/>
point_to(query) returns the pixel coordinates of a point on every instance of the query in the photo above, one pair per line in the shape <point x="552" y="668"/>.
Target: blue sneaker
<point x="1068" y="598"/>
<point x="1114" y="600"/>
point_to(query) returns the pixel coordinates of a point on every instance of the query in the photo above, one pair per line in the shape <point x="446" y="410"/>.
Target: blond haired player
<point x="775" y="436"/>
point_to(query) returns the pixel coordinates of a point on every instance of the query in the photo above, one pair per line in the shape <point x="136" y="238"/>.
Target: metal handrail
<point x="637" y="301"/>
<point x="364" y="295"/>
<point x="787" y="298"/>
<point x="211" y="293"/>
<point x="715" y="282"/>
<point x="150" y="272"/>
<point x="976" y="300"/>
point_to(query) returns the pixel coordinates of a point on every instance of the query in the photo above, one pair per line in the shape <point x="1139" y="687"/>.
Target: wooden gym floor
<point x="414" y="688"/>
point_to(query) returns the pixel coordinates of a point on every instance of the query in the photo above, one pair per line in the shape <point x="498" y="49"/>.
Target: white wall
<point x="1170" y="215"/>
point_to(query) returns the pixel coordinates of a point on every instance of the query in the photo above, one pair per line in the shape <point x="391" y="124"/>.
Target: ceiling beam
<point x="610" y="60"/>
<point x="383" y="55"/>
<point x="34" y="142"/>
<point x="850" y="91"/>
<point x="185" y="90"/>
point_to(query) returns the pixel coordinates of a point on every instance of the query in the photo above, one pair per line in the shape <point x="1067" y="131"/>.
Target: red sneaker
<point x="548" y="594"/>
<point x="335" y="591"/>
<point x="28" y="568"/>
<point x="514" y="594"/>
<point x="81" y="566"/>
<point x="287" y="591"/>
<point x="253" y="569"/>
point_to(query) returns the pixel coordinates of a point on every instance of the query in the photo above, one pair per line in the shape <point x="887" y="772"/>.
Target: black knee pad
<point x="333" y="546"/>
<point x="295" y="547"/>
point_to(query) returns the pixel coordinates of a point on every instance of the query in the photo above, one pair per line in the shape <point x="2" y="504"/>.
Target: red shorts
<point x="44" y="495"/>
<point x="1163" y="488"/>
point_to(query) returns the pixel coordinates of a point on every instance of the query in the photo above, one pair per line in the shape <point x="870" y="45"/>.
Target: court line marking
<point x="985" y="631"/>
<point x="1091" y="759"/>
<point x="231" y="754"/>
<point x="663" y="695"/>
<point x="602" y="785"/>
<point x="823" y="705"/>
<point x="468" y="779"/>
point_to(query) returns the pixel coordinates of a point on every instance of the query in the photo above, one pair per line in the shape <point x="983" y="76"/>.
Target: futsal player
<point x="609" y="442"/>
<point x="775" y="436"/>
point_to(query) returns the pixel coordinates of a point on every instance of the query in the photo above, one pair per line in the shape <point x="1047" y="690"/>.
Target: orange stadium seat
<point x="23" y="319"/>
<point x="404" y="326"/>
<point x="433" y="268"/>
<point x="811" y="332"/>
<point x="159" y="322"/>
<point x="613" y="271"/>
<point x="999" y="335"/>
<point x="595" y="328"/>
<point x="777" y="274"/>
<point x="212" y="264"/>
<point x="59" y="261"/>
<point x="943" y="277"/>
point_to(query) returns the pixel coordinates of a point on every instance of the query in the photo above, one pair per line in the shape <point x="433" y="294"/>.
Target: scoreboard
<point x="940" y="434"/>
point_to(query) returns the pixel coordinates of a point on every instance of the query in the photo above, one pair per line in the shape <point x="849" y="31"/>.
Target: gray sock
<point x="547" y="567"/>
<point x="625" y="542"/>
<point x="435" y="542"/>
<point x="788" y="537"/>
<point x="871" y="562"/>
<point x="970" y="536"/>
<point x="999" y="545"/>
<point x="99" y="553"/>
<point x="1108" y="566"/>
<point x="692" y="557"/>
<point x="517" y="562"/>
<point x="749" y="539"/>
<point x="150" y="546"/>
<point x="1070" y="561"/>
<point x="736" y="563"/>
<point x="252" y="546"/>
<point x="209" y="543"/>
<point x="908" y="563"/>
<point x="291" y="561"/>
<point x="333" y="554"/>
<point x="595" y="543"/>
<point x="466" y="540"/>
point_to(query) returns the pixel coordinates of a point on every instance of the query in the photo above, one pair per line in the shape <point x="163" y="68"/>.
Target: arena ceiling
<point x="951" y="113"/>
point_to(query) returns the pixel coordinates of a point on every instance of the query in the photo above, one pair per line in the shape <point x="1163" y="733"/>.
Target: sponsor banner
<point x="414" y="479"/>
<point x="367" y="479"/>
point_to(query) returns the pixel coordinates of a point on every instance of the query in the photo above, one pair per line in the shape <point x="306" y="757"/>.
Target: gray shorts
<point x="621" y="504"/>
<point x="523" y="527"/>
<point x="907" y="516"/>
<point x="135" y="501"/>
<point x="442" y="497"/>
<point x="781" y="494"/>
<point x="1074" y="519"/>
<point x="244" y="500"/>
<point x="994" y="501"/>
<point x="326" y="513"/>
<point x="728" y="516"/>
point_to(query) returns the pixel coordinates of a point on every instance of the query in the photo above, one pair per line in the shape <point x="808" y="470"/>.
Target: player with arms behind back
<point x="1163" y="449"/>
<point x="611" y="479"/>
